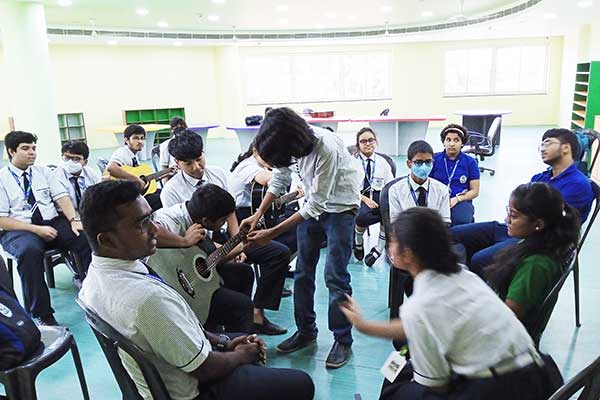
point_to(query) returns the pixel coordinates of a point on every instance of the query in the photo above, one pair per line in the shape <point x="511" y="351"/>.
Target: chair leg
<point x="9" y="268"/>
<point x="11" y="387"/>
<point x="49" y="271"/>
<point x="576" y="287"/>
<point x="79" y="368"/>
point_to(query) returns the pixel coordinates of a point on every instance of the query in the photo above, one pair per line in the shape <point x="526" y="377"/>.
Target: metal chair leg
<point x="79" y="368"/>
<point x="576" y="287"/>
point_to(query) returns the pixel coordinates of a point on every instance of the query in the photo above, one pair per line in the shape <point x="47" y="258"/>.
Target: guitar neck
<point x="218" y="255"/>
<point x="286" y="198"/>
<point x="157" y="175"/>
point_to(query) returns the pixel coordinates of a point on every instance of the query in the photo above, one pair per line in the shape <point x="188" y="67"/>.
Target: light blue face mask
<point x="421" y="171"/>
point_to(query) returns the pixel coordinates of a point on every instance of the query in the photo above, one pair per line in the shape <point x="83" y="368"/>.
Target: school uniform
<point x="405" y="193"/>
<point x="29" y="196"/>
<point x="75" y="185"/>
<point x="166" y="160"/>
<point x="457" y="175"/>
<point x="377" y="173"/>
<point x="182" y="186"/>
<point x="462" y="335"/>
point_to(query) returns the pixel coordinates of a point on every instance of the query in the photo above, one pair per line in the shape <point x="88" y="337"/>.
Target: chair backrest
<point x="101" y="163"/>
<point x="539" y="317"/>
<point x="593" y="214"/>
<point x="587" y="379"/>
<point x="384" y="204"/>
<point x="154" y="155"/>
<point x="110" y="340"/>
<point x="494" y="130"/>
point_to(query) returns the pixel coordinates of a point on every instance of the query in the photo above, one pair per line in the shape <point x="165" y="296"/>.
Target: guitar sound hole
<point x="201" y="268"/>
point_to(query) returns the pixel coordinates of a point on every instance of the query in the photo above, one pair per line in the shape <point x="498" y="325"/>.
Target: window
<point x="71" y="127"/>
<point x="496" y="71"/>
<point x="317" y="77"/>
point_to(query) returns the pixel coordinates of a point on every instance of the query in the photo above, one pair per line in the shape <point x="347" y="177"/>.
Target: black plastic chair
<point x="587" y="379"/>
<point x="19" y="382"/>
<point x="154" y="154"/>
<point x="590" y="223"/>
<point x="483" y="145"/>
<point x="110" y="340"/>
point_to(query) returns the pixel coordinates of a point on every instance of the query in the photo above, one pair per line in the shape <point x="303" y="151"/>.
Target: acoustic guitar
<point x="277" y="208"/>
<point x="145" y="173"/>
<point x="191" y="272"/>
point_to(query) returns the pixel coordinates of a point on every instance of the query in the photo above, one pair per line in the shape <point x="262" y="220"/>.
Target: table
<point x="331" y="122"/>
<point x="480" y="120"/>
<point x="395" y="134"/>
<point x="151" y="129"/>
<point x="245" y="135"/>
<point x="202" y="130"/>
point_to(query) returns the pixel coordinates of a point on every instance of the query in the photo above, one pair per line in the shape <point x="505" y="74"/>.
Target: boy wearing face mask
<point x="73" y="174"/>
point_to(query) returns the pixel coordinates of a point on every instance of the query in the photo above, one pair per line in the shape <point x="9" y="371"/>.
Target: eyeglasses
<point x="547" y="143"/>
<point x="145" y="223"/>
<point x="367" y="141"/>
<point x="421" y="162"/>
<point x="72" y="158"/>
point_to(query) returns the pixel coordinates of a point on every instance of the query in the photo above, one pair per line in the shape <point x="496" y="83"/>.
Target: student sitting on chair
<point x="377" y="173"/>
<point x="192" y="362"/>
<point x="74" y="174"/>
<point x="126" y="155"/>
<point x="464" y="342"/>
<point x="459" y="172"/>
<point x="524" y="273"/>
<point x="178" y="124"/>
<point x="31" y="224"/>
<point x="484" y="239"/>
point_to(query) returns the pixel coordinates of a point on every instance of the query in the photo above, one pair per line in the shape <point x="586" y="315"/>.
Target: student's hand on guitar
<point x="240" y="258"/>
<point x="371" y="203"/>
<point x="47" y="233"/>
<point x="260" y="237"/>
<point x="76" y="227"/>
<point x="141" y="184"/>
<point x="251" y="222"/>
<point x="194" y="234"/>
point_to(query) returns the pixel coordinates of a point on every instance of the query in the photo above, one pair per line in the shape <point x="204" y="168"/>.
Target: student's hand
<point x="371" y="203"/>
<point x="47" y="233"/>
<point x="249" y="353"/>
<point x="300" y="192"/>
<point x="141" y="184"/>
<point x="76" y="227"/>
<point x="251" y="221"/>
<point x="194" y="234"/>
<point x="242" y="257"/>
<point x="259" y="238"/>
<point x="352" y="312"/>
<point x="262" y="345"/>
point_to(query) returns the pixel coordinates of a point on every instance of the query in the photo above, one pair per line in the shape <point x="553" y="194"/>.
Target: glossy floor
<point x="515" y="162"/>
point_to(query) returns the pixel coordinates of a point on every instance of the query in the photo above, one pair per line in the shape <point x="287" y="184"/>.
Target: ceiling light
<point x="283" y="21"/>
<point x="213" y="18"/>
<point x="64" y="3"/>
<point x="162" y="24"/>
<point x="386" y="8"/>
<point x="177" y="44"/>
<point x="142" y="11"/>
<point x="549" y="16"/>
<point x="427" y="14"/>
<point x="331" y="15"/>
<point x="218" y="1"/>
<point x="585" y="3"/>
<point x="112" y="43"/>
<point x="282" y="8"/>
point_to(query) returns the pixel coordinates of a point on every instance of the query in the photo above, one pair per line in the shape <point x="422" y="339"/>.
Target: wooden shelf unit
<point x="586" y="98"/>
<point x="154" y="116"/>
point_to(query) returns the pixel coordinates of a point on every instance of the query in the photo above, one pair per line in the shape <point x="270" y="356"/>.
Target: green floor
<point x="516" y="161"/>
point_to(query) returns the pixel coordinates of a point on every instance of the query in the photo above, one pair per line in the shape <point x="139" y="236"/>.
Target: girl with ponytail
<point x="523" y="274"/>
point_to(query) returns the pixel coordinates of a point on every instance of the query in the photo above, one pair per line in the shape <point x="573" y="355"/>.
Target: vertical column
<point x="230" y="97"/>
<point x="25" y="47"/>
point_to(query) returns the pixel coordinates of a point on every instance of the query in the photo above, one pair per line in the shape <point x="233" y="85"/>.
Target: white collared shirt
<point x="124" y="156"/>
<point x="165" y="158"/>
<point x="401" y="197"/>
<point x="380" y="169"/>
<point x="153" y="316"/>
<point x="87" y="177"/>
<point x="456" y="323"/>
<point x="175" y="219"/>
<point x="331" y="177"/>
<point x="45" y="190"/>
<point x="241" y="179"/>
<point x="182" y="186"/>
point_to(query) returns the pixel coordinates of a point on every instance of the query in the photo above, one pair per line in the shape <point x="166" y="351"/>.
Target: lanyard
<point x="450" y="175"/>
<point x="370" y="179"/>
<point x="414" y="196"/>
<point x="26" y="193"/>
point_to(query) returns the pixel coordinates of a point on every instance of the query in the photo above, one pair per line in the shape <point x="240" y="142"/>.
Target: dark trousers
<point x="482" y="241"/>
<point x="369" y="216"/>
<point x="252" y="382"/>
<point x="462" y="213"/>
<point x="338" y="229"/>
<point x="230" y="309"/>
<point x="238" y="277"/>
<point x="28" y="249"/>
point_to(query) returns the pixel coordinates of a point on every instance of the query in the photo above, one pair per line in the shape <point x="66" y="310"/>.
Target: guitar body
<point x="177" y="267"/>
<point x="142" y="171"/>
<point x="257" y="195"/>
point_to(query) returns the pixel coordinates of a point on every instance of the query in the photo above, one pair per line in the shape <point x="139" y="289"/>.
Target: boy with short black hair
<point x="178" y="125"/>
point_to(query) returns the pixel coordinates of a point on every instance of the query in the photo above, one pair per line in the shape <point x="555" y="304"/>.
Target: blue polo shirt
<point x="459" y="172"/>
<point x="573" y="185"/>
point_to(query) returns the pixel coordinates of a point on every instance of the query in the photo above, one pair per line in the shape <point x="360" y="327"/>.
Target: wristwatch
<point x="223" y="340"/>
<point x="77" y="219"/>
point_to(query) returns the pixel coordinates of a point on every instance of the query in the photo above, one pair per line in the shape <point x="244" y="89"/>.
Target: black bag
<point x="19" y="336"/>
<point x="254" y="120"/>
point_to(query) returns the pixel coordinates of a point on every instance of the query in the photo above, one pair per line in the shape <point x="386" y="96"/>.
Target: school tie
<point x="200" y="183"/>
<point x="135" y="162"/>
<point x="36" y="216"/>
<point x="75" y="182"/>
<point x="366" y="183"/>
<point x="422" y="199"/>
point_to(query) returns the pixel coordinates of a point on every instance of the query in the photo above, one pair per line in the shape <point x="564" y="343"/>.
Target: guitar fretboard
<point x="286" y="198"/>
<point x="216" y="256"/>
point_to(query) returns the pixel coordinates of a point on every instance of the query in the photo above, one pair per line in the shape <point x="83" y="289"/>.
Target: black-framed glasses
<point x="367" y="141"/>
<point x="72" y="158"/>
<point x="145" y="223"/>
<point x="421" y="162"/>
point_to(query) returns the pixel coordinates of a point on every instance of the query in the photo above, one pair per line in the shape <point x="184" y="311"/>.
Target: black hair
<point x="565" y="136"/>
<point x="186" y="146"/>
<point x="557" y="239"/>
<point x="210" y="201"/>
<point x="178" y="122"/>
<point x="282" y="135"/>
<point x="243" y="156"/>
<point x="13" y="139"/>
<point x="363" y="130"/>
<point x="98" y="208"/>
<point x="134" y="130"/>
<point x="423" y="231"/>
<point x="460" y="130"/>
<point x="418" y="146"/>
<point x="76" y="147"/>
<point x="267" y="109"/>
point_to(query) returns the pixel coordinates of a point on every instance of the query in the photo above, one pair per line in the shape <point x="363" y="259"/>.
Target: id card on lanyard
<point x="27" y="208"/>
<point x="414" y="196"/>
<point x="450" y="174"/>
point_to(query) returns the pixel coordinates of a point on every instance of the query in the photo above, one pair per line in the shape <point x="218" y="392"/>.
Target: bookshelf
<point x="154" y="116"/>
<point x="586" y="97"/>
<point x="71" y="127"/>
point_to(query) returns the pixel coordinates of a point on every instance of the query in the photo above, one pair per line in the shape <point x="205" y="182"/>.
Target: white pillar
<point x="570" y="54"/>
<point x="25" y="46"/>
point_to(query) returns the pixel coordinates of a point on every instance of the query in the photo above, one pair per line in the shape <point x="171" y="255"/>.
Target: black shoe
<point x="47" y="320"/>
<point x="339" y="355"/>
<point x="372" y="257"/>
<point x="269" y="328"/>
<point x="359" y="251"/>
<point x="286" y="292"/>
<point x="296" y="342"/>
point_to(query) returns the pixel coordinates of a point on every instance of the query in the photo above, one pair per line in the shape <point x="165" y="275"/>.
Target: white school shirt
<point x="456" y="323"/>
<point x="86" y="178"/>
<point x="241" y="179"/>
<point x="181" y="186"/>
<point x="380" y="169"/>
<point x="401" y="199"/>
<point x="165" y="158"/>
<point x="175" y="219"/>
<point x="331" y="177"/>
<point x="45" y="190"/>
<point x="124" y="156"/>
<point x="153" y="316"/>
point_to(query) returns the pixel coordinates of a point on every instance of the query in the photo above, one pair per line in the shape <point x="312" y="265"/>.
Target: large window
<point x="496" y="71"/>
<point x="299" y="78"/>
